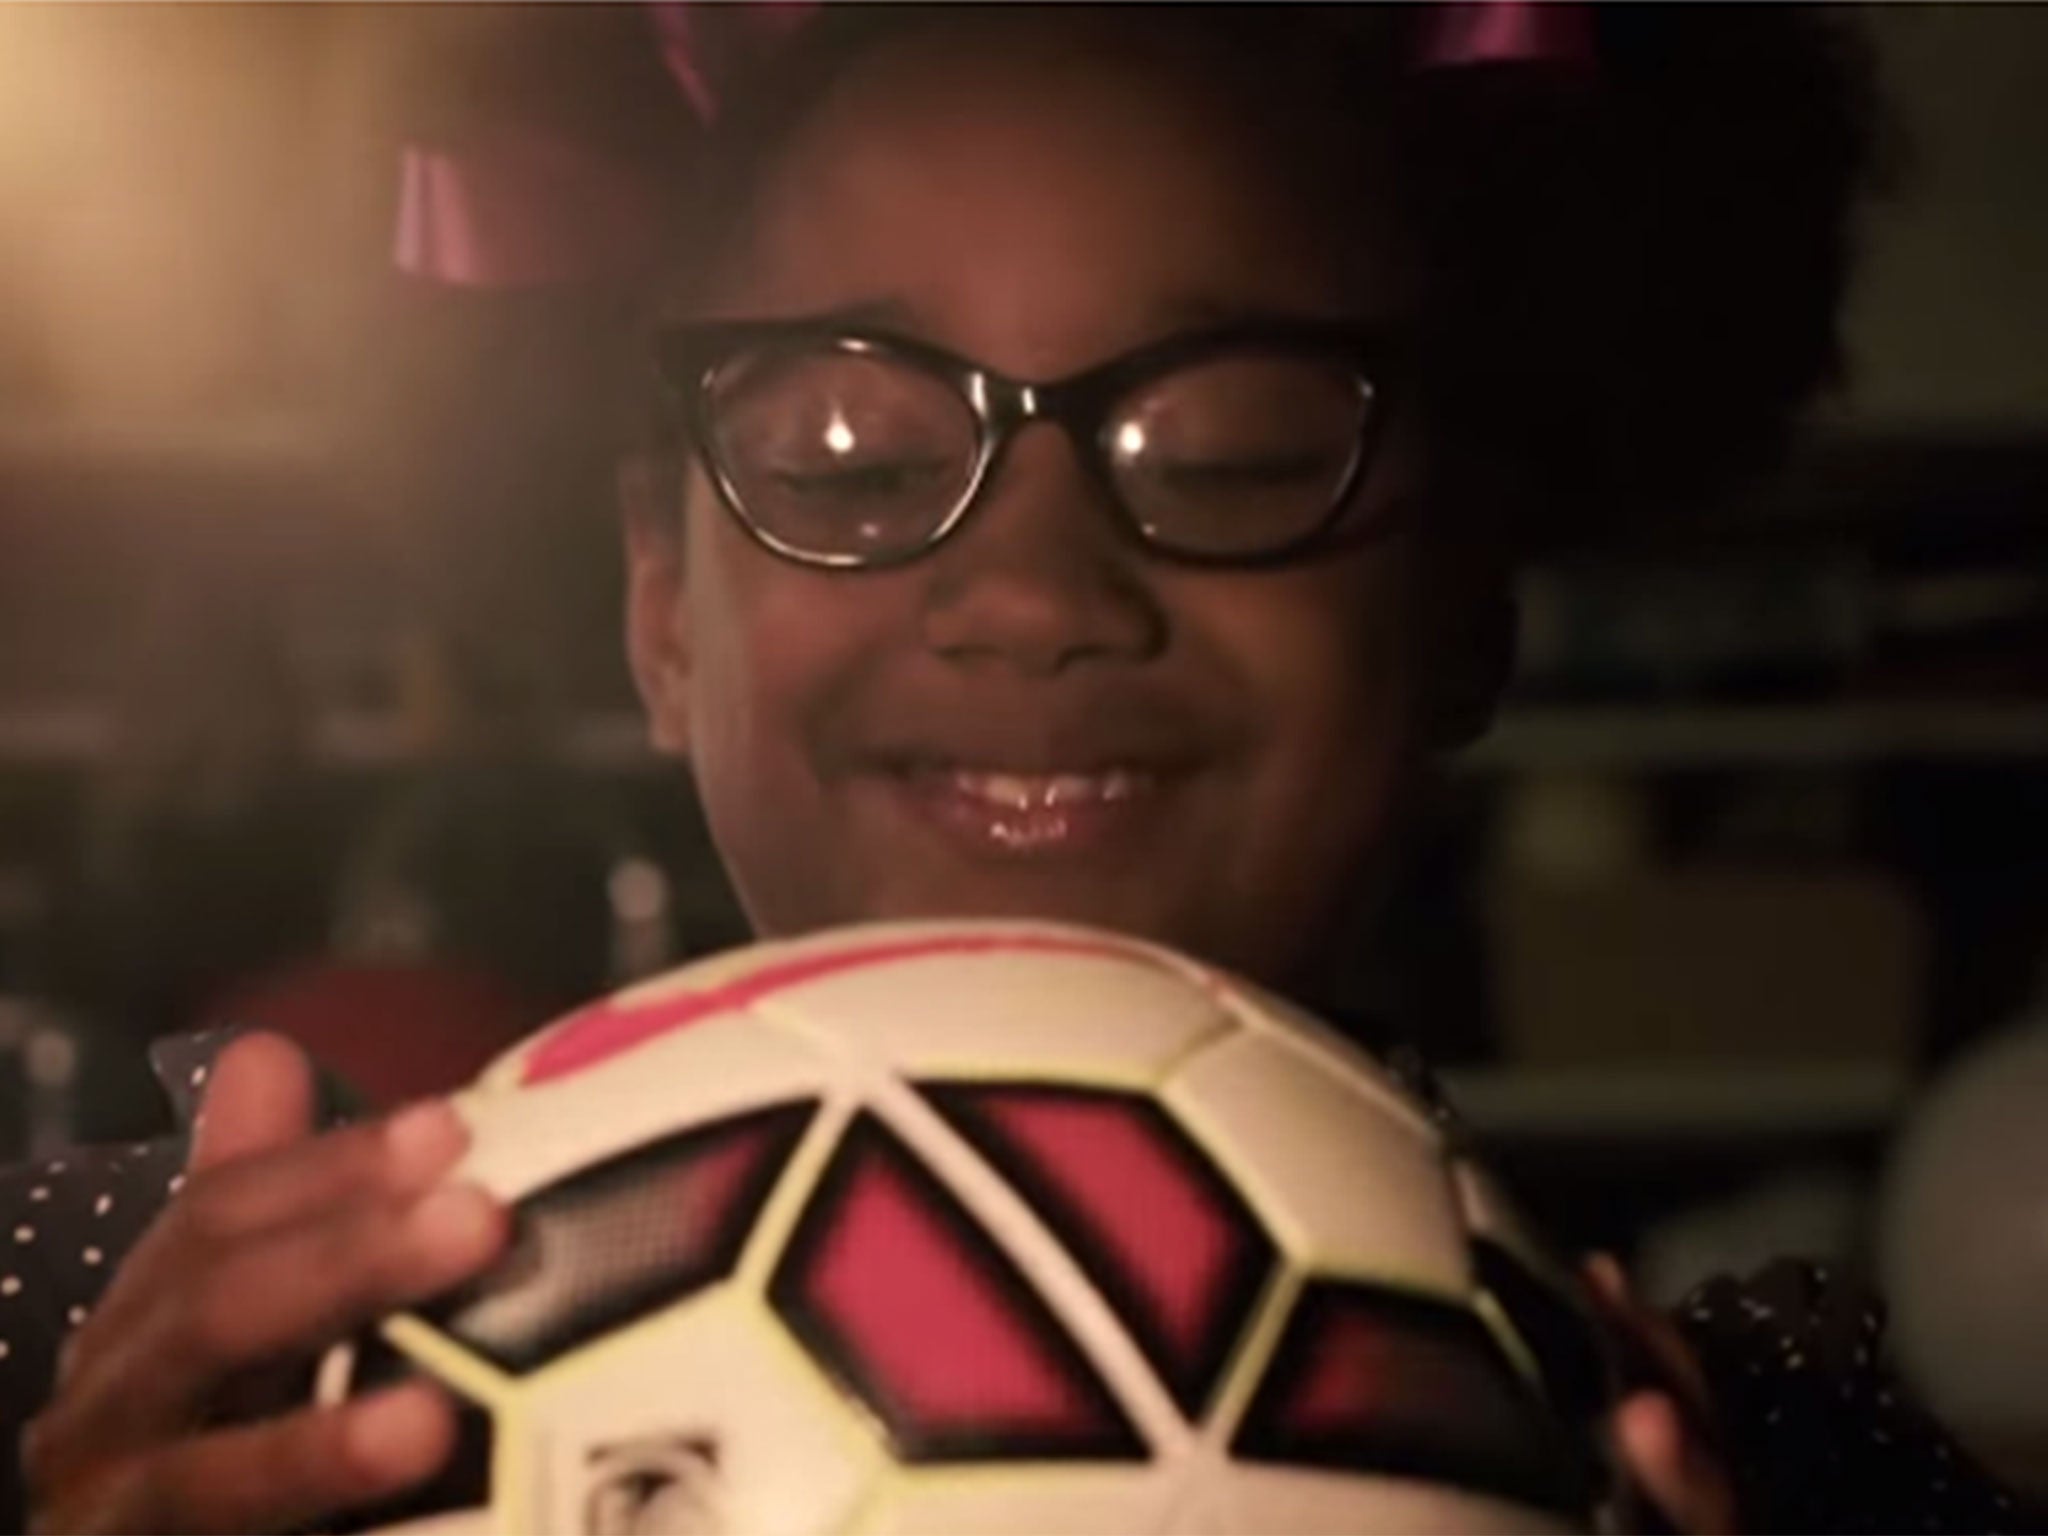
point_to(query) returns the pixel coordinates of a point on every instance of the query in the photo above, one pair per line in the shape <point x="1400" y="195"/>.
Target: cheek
<point x="1330" y="652"/>
<point x="773" y="646"/>
<point x="1321" y="663"/>
<point x="749" y="669"/>
<point x="755" y="647"/>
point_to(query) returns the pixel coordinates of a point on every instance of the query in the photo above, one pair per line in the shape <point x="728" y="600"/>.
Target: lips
<point x="1045" y="792"/>
<point x="1000" y="813"/>
<point x="999" y="772"/>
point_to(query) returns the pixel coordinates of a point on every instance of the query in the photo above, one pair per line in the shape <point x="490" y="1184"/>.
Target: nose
<point x="1038" y="579"/>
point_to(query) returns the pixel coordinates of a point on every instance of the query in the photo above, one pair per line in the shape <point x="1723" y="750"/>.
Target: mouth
<point x="996" y="812"/>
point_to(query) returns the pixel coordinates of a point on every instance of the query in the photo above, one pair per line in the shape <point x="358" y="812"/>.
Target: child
<point x="1104" y="438"/>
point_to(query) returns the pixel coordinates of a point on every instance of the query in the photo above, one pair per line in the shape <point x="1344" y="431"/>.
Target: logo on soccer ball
<point x="654" y="1485"/>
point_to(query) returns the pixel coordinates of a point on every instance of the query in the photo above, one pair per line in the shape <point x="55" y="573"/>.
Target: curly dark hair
<point x="1640" y="279"/>
<point x="1633" y="265"/>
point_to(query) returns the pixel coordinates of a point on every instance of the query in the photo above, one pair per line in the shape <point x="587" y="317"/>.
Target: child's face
<point x="1037" y="717"/>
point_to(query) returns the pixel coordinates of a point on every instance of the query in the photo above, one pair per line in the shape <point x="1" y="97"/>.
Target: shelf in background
<point x="1707" y="736"/>
<point x="1680" y="1102"/>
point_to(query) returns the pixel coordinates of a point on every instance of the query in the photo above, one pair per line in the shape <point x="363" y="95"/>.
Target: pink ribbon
<point x="1460" y="33"/>
<point x="703" y="46"/>
<point x="520" y="209"/>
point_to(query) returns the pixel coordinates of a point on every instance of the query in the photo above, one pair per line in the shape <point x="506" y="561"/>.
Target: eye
<point x="1249" y="472"/>
<point x="1250" y="432"/>
<point x="856" y="480"/>
<point x="831" y="429"/>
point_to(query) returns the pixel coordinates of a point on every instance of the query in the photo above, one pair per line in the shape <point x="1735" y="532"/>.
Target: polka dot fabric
<point x="68" y="1223"/>
<point x="1820" y="1438"/>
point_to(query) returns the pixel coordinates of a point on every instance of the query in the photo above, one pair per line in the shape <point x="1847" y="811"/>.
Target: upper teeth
<point x="1039" y="791"/>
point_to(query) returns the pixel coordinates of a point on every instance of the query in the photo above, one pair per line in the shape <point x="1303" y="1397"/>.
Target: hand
<point x="280" y="1243"/>
<point x="1662" y="1430"/>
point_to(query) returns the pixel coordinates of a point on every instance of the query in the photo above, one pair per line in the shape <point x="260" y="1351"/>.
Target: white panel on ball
<point x="1116" y="1016"/>
<point x="1269" y="1013"/>
<point x="1301" y="1142"/>
<point x="1021" y="1501"/>
<point x="705" y="1070"/>
<point x="715" y="1401"/>
<point x="1304" y="1503"/>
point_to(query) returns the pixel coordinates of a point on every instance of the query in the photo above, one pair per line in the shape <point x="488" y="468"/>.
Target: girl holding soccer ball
<point x="1097" y="446"/>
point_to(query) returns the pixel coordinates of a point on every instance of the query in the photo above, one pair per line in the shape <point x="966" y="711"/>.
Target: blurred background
<point x="312" y="711"/>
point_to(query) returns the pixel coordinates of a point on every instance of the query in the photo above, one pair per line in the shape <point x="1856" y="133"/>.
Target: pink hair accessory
<point x="1465" y="32"/>
<point x="516" y="207"/>
<point x="520" y="209"/>
<point x="703" y="45"/>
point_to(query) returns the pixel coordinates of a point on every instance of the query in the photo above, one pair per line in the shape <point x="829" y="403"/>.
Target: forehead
<point x="1074" y="171"/>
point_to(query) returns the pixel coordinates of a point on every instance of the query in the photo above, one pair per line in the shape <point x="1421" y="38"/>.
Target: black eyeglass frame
<point x="689" y="356"/>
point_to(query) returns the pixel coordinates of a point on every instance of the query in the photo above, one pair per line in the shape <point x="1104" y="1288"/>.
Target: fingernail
<point x="456" y="1221"/>
<point x="396" y="1434"/>
<point x="425" y="1138"/>
<point x="1606" y="1272"/>
<point x="1656" y="1423"/>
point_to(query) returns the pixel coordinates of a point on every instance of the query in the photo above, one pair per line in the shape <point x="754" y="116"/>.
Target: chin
<point x="1252" y="950"/>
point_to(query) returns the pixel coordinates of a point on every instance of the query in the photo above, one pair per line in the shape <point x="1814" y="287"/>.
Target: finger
<point x="262" y="1098"/>
<point x="393" y="1159"/>
<point x="1610" y="1280"/>
<point x="1671" y="1466"/>
<point x="279" y="1475"/>
<point x="1659" y="1353"/>
<point x="337" y="1270"/>
<point x="283" y="1295"/>
<point x="403" y="1155"/>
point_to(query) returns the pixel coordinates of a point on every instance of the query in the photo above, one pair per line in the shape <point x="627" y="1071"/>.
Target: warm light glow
<point x="839" y="436"/>
<point x="1130" y="439"/>
<point x="176" y="209"/>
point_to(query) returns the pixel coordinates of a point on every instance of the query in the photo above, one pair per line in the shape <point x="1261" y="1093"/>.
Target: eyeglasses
<point x="853" y="448"/>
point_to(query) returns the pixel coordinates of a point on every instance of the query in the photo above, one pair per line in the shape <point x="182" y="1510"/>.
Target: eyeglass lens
<point x="845" y="455"/>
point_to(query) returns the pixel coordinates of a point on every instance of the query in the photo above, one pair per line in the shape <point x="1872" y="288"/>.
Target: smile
<point x="990" y="812"/>
<point x="1029" y="792"/>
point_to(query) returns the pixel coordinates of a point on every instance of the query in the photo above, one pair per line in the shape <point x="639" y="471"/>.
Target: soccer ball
<point x="989" y="1227"/>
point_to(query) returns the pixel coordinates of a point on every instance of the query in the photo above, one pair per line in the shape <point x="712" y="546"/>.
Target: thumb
<point x="1680" y="1475"/>
<point x="261" y="1098"/>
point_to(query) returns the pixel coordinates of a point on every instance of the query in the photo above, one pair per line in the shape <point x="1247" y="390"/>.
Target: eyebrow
<point x="1202" y="309"/>
<point x="887" y="311"/>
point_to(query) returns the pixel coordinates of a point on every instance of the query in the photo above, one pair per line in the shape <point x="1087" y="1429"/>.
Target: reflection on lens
<point x="1240" y="454"/>
<point x="835" y="454"/>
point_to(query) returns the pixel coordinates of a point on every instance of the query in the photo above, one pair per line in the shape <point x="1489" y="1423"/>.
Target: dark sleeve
<point x="65" y="1225"/>
<point x="1821" y="1436"/>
